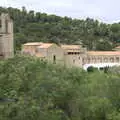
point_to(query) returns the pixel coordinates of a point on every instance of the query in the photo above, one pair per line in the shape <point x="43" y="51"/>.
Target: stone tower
<point x="6" y="37"/>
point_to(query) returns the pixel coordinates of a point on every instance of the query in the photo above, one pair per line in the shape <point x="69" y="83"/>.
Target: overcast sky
<point x="104" y="10"/>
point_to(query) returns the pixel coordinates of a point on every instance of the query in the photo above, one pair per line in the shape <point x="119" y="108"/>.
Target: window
<point x="105" y="59"/>
<point x="117" y="59"/>
<point x="36" y="50"/>
<point x="73" y="61"/>
<point x="99" y="59"/>
<point x="94" y="59"/>
<point x="1" y="54"/>
<point x="73" y="53"/>
<point x="70" y="53"/>
<point x="54" y="59"/>
<point x="88" y="60"/>
<point x="111" y="59"/>
<point x="6" y="26"/>
<point x="0" y="23"/>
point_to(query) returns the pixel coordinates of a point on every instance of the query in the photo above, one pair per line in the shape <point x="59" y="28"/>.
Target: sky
<point x="107" y="11"/>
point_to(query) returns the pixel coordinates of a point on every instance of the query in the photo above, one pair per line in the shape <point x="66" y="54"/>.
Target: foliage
<point x="91" y="69"/>
<point x="37" y="90"/>
<point x="37" y="26"/>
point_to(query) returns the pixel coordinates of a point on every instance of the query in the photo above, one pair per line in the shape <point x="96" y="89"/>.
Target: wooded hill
<point x="37" y="26"/>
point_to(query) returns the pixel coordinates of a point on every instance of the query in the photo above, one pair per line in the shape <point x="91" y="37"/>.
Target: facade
<point x="6" y="37"/>
<point x="46" y="51"/>
<point x="73" y="55"/>
<point x="70" y="55"/>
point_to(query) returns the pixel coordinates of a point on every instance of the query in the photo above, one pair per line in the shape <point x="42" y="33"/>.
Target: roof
<point x="70" y="46"/>
<point x="39" y="44"/>
<point x="33" y="43"/>
<point x="103" y="53"/>
<point x="118" y="47"/>
<point x="45" y="45"/>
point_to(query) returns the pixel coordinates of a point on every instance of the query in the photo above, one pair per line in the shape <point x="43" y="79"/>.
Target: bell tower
<point x="6" y="36"/>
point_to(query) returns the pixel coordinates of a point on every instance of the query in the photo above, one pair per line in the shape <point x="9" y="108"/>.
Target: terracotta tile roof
<point x="103" y="52"/>
<point x="70" y="46"/>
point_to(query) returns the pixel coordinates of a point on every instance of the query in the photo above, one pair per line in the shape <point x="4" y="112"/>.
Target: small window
<point x="105" y="60"/>
<point x="117" y="59"/>
<point x="6" y="26"/>
<point x="73" y="61"/>
<point x="0" y="23"/>
<point x="54" y="59"/>
<point x="79" y="58"/>
<point x="111" y="59"/>
<point x="36" y="50"/>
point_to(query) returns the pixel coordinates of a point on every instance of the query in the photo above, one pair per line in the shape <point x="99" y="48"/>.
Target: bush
<point x="91" y="69"/>
<point x="51" y="92"/>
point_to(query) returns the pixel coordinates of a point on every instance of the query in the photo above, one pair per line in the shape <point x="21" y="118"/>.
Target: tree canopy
<point x="31" y="89"/>
<point x="37" y="26"/>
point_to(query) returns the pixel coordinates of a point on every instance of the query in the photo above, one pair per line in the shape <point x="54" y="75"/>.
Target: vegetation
<point x="31" y="89"/>
<point x="37" y="26"/>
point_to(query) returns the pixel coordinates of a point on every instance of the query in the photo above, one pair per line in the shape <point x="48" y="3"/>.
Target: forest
<point x="36" y="26"/>
<point x="31" y="89"/>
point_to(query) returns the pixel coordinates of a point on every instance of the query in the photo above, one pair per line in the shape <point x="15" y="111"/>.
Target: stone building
<point x="6" y="37"/>
<point x="70" y="55"/>
<point x="102" y="57"/>
<point x="73" y="55"/>
<point x="46" y="51"/>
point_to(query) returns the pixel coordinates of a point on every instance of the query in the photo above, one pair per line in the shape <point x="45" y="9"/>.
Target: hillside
<point x="37" y="26"/>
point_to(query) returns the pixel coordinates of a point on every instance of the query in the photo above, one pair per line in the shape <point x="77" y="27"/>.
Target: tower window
<point x="6" y="26"/>
<point x="0" y="23"/>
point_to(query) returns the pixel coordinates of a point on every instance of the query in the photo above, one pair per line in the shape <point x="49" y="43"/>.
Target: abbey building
<point x="70" y="55"/>
<point x="6" y="37"/>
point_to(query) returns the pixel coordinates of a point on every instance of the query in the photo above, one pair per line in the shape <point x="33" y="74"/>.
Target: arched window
<point x="117" y="59"/>
<point x="6" y="26"/>
<point x="105" y="59"/>
<point x="0" y="23"/>
<point x="83" y="60"/>
<point x="111" y="59"/>
<point x="99" y="59"/>
<point x="94" y="59"/>
<point x="88" y="60"/>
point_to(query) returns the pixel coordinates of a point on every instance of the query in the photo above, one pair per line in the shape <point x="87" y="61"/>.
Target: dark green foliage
<point x="35" y="26"/>
<point x="92" y="69"/>
<point x="106" y="69"/>
<point x="35" y="90"/>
